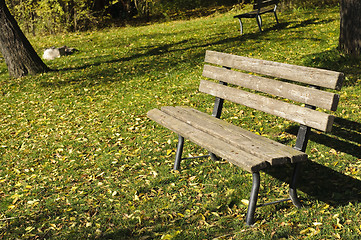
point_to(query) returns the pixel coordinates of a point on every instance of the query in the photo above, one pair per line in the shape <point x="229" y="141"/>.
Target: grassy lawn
<point x="80" y="159"/>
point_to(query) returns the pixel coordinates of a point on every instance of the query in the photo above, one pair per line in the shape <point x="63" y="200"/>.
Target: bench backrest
<point x="258" y="4"/>
<point x="285" y="81"/>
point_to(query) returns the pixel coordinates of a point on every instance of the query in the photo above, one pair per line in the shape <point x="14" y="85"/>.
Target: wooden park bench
<point x="252" y="152"/>
<point x="259" y="7"/>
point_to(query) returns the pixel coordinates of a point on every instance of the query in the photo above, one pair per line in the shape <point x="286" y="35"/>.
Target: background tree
<point x="350" y="27"/>
<point x="20" y="57"/>
<point x="57" y="16"/>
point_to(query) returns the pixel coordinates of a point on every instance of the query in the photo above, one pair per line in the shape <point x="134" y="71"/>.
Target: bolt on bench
<point x="259" y="7"/>
<point x="245" y="149"/>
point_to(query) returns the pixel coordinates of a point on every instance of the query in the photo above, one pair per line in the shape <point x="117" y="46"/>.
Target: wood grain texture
<point x="312" y="76"/>
<point x="311" y="96"/>
<point x="217" y="146"/>
<point x="315" y="119"/>
<point x="266" y="149"/>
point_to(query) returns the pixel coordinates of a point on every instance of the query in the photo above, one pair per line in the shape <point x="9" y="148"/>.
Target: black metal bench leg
<point x="252" y="205"/>
<point x="178" y="155"/>
<point x="259" y="22"/>
<point x="276" y="17"/>
<point x="241" y="26"/>
<point x="293" y="189"/>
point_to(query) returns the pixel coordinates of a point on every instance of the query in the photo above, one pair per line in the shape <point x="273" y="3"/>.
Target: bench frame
<point x="308" y="76"/>
<point x="258" y="10"/>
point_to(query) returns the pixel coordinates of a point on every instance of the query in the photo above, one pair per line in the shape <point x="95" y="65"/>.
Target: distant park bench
<point x="259" y="7"/>
<point x="245" y="149"/>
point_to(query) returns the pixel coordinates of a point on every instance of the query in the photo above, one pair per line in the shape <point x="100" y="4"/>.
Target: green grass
<point x="80" y="159"/>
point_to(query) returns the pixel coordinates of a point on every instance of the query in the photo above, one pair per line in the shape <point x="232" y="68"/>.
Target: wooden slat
<point x="226" y="151"/>
<point x="293" y="154"/>
<point x="268" y="150"/>
<point x="311" y="96"/>
<point x="313" y="76"/>
<point x="302" y="115"/>
<point x="251" y="14"/>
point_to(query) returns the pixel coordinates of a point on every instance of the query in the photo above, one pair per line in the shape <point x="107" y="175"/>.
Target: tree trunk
<point x="350" y="27"/>
<point x="19" y="55"/>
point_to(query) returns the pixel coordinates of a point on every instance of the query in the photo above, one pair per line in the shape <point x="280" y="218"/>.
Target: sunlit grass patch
<point x="80" y="159"/>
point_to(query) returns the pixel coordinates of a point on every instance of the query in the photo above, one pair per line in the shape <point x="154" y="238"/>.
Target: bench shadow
<point x="321" y="182"/>
<point x="324" y="184"/>
<point x="345" y="137"/>
<point x="288" y="25"/>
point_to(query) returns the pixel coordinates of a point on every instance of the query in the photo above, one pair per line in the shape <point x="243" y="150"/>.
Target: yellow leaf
<point x="215" y="214"/>
<point x="33" y="202"/>
<point x="29" y="229"/>
<point x="245" y="202"/>
<point x="136" y="198"/>
<point x="337" y="235"/>
<point x="333" y="151"/>
<point x="304" y="231"/>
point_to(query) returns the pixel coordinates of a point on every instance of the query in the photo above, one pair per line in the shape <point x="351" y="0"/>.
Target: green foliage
<point x="170" y="7"/>
<point x="59" y="16"/>
<point x="191" y="4"/>
<point x="145" y="7"/>
<point x="308" y="3"/>
<point x="53" y="16"/>
<point x="79" y="159"/>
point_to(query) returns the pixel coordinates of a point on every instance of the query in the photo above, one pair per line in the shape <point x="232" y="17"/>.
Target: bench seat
<point x="226" y="140"/>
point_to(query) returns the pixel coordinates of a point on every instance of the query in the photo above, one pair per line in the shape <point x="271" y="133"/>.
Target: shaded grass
<point x="80" y="159"/>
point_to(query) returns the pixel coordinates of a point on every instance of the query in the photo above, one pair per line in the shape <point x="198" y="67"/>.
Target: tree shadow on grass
<point x="289" y="25"/>
<point x="324" y="183"/>
<point x="332" y="59"/>
<point x="166" y="55"/>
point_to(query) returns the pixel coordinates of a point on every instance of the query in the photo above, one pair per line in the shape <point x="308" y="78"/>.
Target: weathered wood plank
<point x="305" y="116"/>
<point x="226" y="151"/>
<point x="313" y="76"/>
<point x="311" y="96"/>
<point x="268" y="150"/>
<point x="295" y="155"/>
